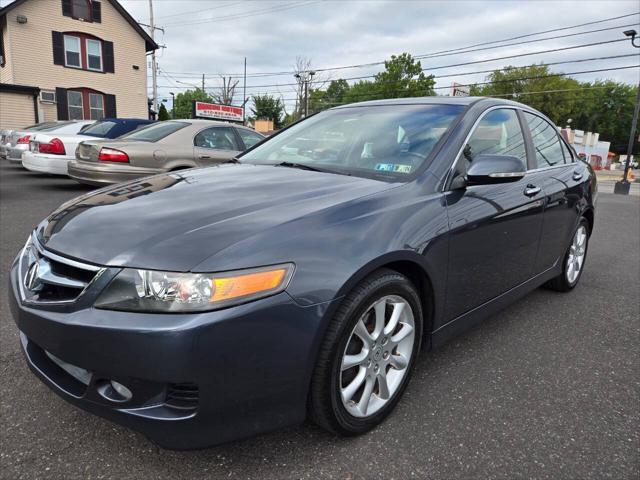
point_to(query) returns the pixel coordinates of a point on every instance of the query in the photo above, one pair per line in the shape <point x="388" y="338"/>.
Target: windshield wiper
<point x="301" y="166"/>
<point x="232" y="160"/>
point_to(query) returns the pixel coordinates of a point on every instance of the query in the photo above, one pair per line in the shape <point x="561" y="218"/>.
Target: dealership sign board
<point x="214" y="111"/>
<point x="458" y="90"/>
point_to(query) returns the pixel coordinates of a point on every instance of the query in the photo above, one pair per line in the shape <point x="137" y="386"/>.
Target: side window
<point x="498" y="133"/>
<point x="568" y="158"/>
<point x="220" y="138"/>
<point x="248" y="137"/>
<point x="546" y="141"/>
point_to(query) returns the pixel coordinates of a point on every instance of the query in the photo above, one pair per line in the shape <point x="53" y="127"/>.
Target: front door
<point x="215" y="145"/>
<point x="494" y="229"/>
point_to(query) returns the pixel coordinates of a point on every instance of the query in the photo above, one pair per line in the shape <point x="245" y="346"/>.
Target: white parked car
<point x="19" y="139"/>
<point x="49" y="151"/>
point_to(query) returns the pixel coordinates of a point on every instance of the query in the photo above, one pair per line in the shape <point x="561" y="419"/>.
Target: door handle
<point x="532" y="190"/>
<point x="204" y="157"/>
<point x="577" y="175"/>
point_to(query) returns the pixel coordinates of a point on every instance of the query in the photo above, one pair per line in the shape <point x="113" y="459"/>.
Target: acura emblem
<point x="32" y="278"/>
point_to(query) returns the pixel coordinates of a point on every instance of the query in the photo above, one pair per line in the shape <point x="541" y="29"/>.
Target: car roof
<point x="433" y="100"/>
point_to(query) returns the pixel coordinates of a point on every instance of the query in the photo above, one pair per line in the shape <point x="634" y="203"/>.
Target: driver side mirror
<point x="489" y="169"/>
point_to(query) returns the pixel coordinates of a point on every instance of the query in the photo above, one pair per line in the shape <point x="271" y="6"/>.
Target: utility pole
<point x="305" y="78"/>
<point x="154" y="66"/>
<point x="244" y="93"/>
<point x="203" y="82"/>
<point x="623" y="186"/>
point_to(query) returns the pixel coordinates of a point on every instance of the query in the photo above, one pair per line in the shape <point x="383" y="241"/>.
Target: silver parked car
<point x="158" y="148"/>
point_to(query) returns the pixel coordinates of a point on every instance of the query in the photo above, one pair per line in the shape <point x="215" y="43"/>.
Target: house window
<point x="80" y="9"/>
<point x="96" y="106"/>
<point x="94" y="54"/>
<point x="76" y="108"/>
<point x="72" y="51"/>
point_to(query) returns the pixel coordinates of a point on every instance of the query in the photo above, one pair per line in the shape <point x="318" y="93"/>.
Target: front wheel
<point x="574" y="260"/>
<point x="366" y="358"/>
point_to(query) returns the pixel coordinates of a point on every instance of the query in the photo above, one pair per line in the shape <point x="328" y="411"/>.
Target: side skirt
<point x="475" y="316"/>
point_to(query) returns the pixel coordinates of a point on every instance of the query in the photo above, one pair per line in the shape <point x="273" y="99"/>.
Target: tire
<point x="383" y="291"/>
<point x="567" y="281"/>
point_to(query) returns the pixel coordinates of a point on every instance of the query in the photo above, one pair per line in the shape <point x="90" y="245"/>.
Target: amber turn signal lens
<point x="249" y="284"/>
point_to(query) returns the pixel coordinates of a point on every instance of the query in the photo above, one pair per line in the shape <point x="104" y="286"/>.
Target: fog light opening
<point x="113" y="391"/>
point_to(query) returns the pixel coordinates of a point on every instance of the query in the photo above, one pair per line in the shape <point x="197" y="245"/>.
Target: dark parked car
<point x="303" y="279"/>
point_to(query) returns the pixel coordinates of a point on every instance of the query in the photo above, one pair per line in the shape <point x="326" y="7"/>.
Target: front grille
<point x="183" y="396"/>
<point x="49" y="278"/>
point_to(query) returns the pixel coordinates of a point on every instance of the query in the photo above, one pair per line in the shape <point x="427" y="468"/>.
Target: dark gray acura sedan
<point x="304" y="278"/>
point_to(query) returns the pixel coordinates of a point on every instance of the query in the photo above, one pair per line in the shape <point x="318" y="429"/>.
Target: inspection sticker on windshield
<point x="393" y="167"/>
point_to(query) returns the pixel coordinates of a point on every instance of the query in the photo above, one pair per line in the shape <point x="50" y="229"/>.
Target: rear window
<point x="156" y="131"/>
<point x="54" y="126"/>
<point x="99" y="129"/>
<point x="41" y="126"/>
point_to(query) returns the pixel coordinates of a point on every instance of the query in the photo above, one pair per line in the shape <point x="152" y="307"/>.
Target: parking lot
<point x="549" y="388"/>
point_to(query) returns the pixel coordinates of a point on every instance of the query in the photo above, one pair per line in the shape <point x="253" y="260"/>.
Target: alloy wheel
<point x="577" y="252"/>
<point x="377" y="356"/>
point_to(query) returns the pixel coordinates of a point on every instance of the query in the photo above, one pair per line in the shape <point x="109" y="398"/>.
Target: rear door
<point x="562" y="179"/>
<point x="248" y="137"/>
<point x="215" y="145"/>
<point x="494" y="230"/>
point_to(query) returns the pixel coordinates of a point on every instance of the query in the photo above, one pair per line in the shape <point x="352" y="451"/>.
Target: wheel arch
<point x="589" y="215"/>
<point x="413" y="266"/>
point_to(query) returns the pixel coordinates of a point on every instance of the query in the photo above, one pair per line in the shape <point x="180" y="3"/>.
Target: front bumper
<point x="52" y="164"/>
<point x="250" y="364"/>
<point x="98" y="174"/>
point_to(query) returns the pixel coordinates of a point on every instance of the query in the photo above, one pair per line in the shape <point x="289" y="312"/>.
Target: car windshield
<point x="389" y="142"/>
<point x="99" y="129"/>
<point x="155" y="132"/>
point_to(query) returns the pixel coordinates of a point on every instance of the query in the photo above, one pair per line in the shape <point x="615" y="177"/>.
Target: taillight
<point x="24" y="139"/>
<point x="54" y="147"/>
<point x="112" y="155"/>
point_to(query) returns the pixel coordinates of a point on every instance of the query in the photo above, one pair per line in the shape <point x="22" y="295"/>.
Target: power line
<point x="218" y="7"/>
<point x="437" y="53"/>
<point x="237" y="16"/>
<point x="475" y="62"/>
<point x="537" y="77"/>
<point x="477" y="72"/>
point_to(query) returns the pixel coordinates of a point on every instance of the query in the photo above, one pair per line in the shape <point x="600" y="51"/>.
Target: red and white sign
<point x="218" y="112"/>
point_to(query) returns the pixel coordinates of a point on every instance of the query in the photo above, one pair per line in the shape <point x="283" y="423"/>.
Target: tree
<point x="403" y="77"/>
<point x="184" y="102"/>
<point x="516" y="83"/>
<point x="226" y="92"/>
<point x="162" y="113"/>
<point x="605" y="107"/>
<point x="268" y="107"/>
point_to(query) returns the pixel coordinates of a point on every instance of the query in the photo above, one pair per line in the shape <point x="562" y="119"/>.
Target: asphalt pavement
<point x="549" y="388"/>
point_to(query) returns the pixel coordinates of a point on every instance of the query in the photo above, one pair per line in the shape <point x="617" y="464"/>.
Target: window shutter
<point x="67" y="9"/>
<point x="57" y="39"/>
<point x="96" y="11"/>
<point x="63" y="109"/>
<point x="110" y="106"/>
<point x="108" y="60"/>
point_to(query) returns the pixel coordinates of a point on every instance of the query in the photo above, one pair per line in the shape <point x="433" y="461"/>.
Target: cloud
<point x="334" y="33"/>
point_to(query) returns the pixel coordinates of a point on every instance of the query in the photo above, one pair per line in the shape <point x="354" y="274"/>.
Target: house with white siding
<point x="71" y="59"/>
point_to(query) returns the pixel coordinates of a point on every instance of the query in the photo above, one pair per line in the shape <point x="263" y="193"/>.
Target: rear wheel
<point x="366" y="358"/>
<point x="574" y="260"/>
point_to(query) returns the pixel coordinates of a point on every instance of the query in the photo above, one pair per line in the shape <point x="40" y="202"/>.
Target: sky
<point x="214" y="37"/>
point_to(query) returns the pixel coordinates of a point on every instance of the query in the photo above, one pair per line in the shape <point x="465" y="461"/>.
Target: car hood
<point x="175" y="221"/>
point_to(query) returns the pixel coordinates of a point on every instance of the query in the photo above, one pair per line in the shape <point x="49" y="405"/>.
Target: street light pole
<point x="173" y="105"/>
<point x="623" y="186"/>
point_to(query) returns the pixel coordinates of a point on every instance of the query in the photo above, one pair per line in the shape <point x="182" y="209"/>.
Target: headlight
<point x="153" y="291"/>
